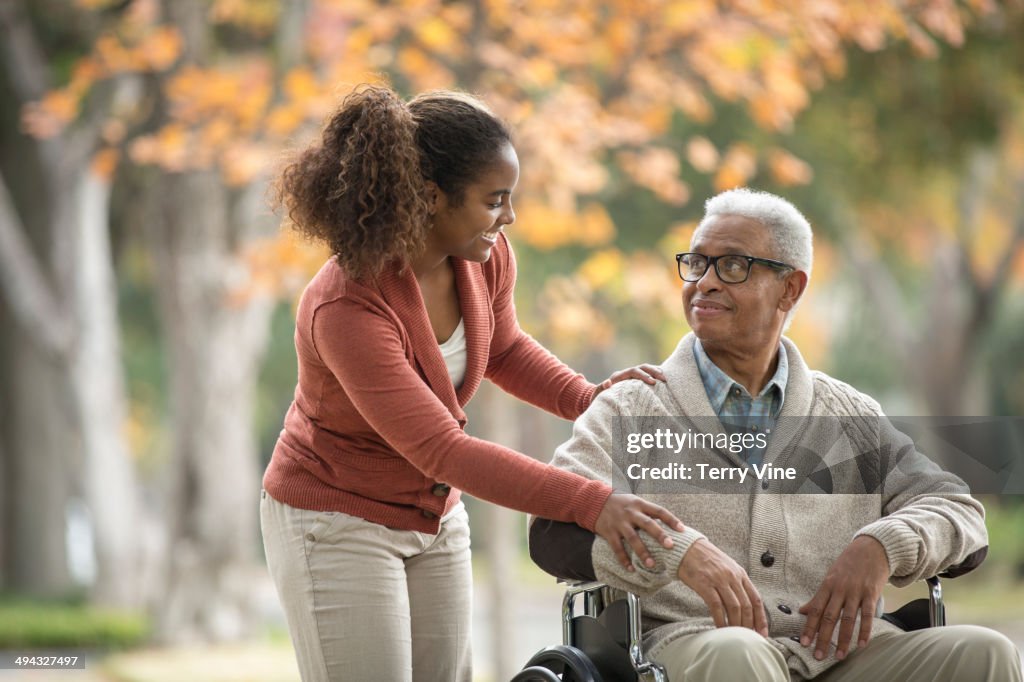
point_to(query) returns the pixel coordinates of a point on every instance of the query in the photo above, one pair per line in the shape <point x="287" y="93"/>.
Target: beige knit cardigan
<point x="923" y="517"/>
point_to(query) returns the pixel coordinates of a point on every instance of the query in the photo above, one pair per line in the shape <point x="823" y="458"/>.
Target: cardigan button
<point x="768" y="559"/>
<point x="428" y="514"/>
<point x="764" y="485"/>
<point x="441" y="489"/>
<point x="785" y="609"/>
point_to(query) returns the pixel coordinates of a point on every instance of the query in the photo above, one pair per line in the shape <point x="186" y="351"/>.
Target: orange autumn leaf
<point x="542" y="72"/>
<point x="568" y="314"/>
<point x="737" y="168"/>
<point x="300" y="84"/>
<point x="50" y="116"/>
<point x="160" y="49"/>
<point x="61" y="105"/>
<point x="113" y="56"/>
<point x="692" y="102"/>
<point x="545" y="227"/>
<point x="169" y="147"/>
<point x="243" y="163"/>
<point x="114" y="131"/>
<point x="436" y="34"/>
<point x="84" y="74"/>
<point x="1018" y="266"/>
<point x="284" y="120"/>
<point x="282" y="263"/>
<point x="701" y="154"/>
<point x="787" y="170"/>
<point x="657" y="169"/>
<point x="597" y="227"/>
<point x="602" y="267"/>
<point x="256" y="16"/>
<point x="651" y="283"/>
<point x="689" y="16"/>
<point x="104" y="162"/>
<point x="216" y="133"/>
<point x="94" y="4"/>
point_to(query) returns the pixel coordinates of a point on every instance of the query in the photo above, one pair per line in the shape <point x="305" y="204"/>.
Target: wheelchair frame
<point x="597" y="597"/>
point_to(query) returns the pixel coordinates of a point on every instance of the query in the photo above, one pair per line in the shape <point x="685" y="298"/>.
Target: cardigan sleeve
<point x="929" y="521"/>
<point x="591" y="453"/>
<point x="396" y="402"/>
<point x="519" y="364"/>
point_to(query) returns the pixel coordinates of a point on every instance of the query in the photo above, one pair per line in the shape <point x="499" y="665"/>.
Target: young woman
<point x="365" y="536"/>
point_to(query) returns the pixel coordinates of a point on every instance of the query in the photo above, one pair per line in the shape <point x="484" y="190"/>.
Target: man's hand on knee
<point x="724" y="586"/>
<point x="853" y="585"/>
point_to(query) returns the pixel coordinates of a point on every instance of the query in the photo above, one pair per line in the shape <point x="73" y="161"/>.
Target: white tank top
<point x="454" y="353"/>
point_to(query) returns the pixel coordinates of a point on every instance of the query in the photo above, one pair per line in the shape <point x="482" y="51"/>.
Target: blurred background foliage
<point x="147" y="292"/>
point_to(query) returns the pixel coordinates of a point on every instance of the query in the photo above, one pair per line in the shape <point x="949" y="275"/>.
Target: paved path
<point x="535" y="615"/>
<point x="537" y="612"/>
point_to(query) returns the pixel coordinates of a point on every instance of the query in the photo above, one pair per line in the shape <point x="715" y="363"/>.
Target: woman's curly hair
<point x="362" y="188"/>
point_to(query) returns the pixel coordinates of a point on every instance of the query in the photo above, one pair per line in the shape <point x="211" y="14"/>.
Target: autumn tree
<point x="191" y="103"/>
<point x="922" y="195"/>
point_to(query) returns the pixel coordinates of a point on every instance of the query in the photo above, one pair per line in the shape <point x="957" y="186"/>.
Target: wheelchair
<point x="603" y="642"/>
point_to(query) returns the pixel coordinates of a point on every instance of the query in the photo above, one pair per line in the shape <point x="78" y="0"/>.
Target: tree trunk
<point x="39" y="430"/>
<point x="63" y="370"/>
<point x="39" y="438"/>
<point x="69" y="394"/>
<point x="216" y="336"/>
<point x="495" y="415"/>
<point x="109" y="484"/>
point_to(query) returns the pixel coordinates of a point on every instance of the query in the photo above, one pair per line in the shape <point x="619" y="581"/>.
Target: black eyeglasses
<point x="730" y="268"/>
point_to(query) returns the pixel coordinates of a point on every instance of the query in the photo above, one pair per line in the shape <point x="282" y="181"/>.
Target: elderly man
<point x="780" y="570"/>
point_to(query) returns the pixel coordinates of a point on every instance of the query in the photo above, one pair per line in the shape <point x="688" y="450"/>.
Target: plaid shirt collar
<point x="718" y="384"/>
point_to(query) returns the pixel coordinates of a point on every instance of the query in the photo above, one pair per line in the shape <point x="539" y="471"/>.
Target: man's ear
<point x="794" y="285"/>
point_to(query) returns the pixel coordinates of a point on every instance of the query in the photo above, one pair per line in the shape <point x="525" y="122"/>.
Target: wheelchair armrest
<point x="562" y="549"/>
<point x="931" y="612"/>
<point x="921" y="613"/>
<point x="970" y="562"/>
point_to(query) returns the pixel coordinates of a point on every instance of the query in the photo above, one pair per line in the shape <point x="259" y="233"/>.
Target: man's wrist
<point x="683" y="542"/>
<point x="875" y="547"/>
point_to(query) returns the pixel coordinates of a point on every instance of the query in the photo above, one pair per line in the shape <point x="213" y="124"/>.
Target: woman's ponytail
<point x="360" y="189"/>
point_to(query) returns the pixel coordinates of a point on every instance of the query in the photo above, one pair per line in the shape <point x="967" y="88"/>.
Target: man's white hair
<point x="789" y="229"/>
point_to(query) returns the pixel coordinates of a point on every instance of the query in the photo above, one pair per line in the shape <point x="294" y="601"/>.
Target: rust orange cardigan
<point x="376" y="424"/>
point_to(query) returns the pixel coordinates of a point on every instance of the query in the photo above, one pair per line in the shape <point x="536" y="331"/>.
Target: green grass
<point x="28" y="624"/>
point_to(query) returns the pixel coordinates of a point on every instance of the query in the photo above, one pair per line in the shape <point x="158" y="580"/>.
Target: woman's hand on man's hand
<point x="623" y="515"/>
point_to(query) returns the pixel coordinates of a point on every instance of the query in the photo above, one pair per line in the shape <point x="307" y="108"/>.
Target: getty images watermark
<point x="816" y="455"/>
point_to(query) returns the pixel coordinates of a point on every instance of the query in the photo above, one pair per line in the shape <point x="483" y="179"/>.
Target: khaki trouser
<point x="956" y="653"/>
<point x="366" y="602"/>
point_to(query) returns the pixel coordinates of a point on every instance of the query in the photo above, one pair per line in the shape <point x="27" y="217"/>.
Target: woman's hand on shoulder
<point x="649" y="374"/>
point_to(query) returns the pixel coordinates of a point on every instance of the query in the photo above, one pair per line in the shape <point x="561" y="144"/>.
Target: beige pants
<point x="957" y="653"/>
<point x="366" y="602"/>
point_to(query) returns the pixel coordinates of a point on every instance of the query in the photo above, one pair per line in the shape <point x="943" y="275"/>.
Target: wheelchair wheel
<point x="536" y="673"/>
<point x="567" y="663"/>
